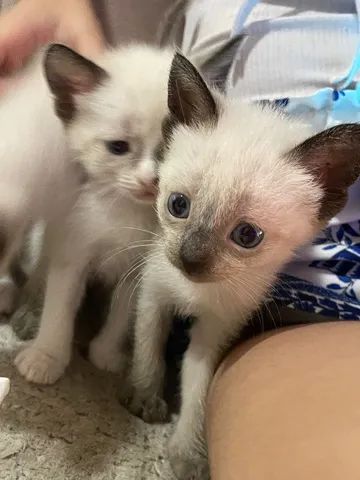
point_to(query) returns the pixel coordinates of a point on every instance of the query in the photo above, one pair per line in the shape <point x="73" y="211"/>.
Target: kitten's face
<point x="114" y="127"/>
<point x="231" y="209"/>
<point x="240" y="191"/>
<point x="117" y="148"/>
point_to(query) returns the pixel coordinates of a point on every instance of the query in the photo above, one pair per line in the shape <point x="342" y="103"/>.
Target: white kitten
<point x="113" y="117"/>
<point x="240" y="190"/>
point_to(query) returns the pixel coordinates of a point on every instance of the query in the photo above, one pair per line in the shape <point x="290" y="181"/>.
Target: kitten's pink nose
<point x="150" y="185"/>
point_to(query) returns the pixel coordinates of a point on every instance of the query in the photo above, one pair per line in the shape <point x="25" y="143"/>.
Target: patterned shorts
<point x="329" y="283"/>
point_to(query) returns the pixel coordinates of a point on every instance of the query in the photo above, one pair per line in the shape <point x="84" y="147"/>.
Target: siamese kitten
<point x="240" y="189"/>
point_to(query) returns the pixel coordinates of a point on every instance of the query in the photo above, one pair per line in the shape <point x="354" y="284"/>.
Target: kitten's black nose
<point x="193" y="266"/>
<point x="194" y="253"/>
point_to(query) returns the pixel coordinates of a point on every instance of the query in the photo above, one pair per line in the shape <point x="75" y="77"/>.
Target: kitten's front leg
<point x="106" y="350"/>
<point x="187" y="448"/>
<point x="45" y="359"/>
<point x="146" y="383"/>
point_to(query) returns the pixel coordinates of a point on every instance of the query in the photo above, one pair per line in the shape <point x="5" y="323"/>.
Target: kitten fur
<point x="110" y="221"/>
<point x="236" y="163"/>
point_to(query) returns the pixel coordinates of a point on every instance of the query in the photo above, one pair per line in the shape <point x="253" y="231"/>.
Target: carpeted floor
<point x="74" y="430"/>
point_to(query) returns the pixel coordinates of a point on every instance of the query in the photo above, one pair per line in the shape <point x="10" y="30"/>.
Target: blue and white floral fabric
<point x="327" y="279"/>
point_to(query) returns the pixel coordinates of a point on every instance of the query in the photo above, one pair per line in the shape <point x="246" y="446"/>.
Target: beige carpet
<point x="75" y="429"/>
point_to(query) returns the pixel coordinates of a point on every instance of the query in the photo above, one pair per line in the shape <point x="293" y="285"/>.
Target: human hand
<point x="32" y="23"/>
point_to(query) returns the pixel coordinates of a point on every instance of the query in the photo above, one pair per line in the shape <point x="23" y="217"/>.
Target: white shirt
<point x="294" y="47"/>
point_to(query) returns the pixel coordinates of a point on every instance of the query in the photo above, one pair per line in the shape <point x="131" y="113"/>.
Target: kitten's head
<point x="240" y="187"/>
<point x="113" y="113"/>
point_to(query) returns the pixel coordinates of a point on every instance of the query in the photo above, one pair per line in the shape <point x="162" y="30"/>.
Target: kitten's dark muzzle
<point x="193" y="266"/>
<point x="196" y="256"/>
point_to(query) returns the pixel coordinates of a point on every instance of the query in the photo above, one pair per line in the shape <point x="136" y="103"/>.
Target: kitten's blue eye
<point x="118" y="147"/>
<point x="247" y="235"/>
<point x="179" y="205"/>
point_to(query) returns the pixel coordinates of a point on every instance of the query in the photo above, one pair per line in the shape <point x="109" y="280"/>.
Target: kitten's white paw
<point x="8" y="294"/>
<point x="39" y="367"/>
<point x="187" y="465"/>
<point x="152" y="409"/>
<point x="105" y="358"/>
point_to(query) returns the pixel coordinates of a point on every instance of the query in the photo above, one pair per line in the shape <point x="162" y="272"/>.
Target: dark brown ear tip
<point x="184" y="71"/>
<point x="58" y="47"/>
<point x="179" y="62"/>
<point x="178" y="56"/>
<point x="189" y="98"/>
<point x="58" y="51"/>
<point x="53" y="54"/>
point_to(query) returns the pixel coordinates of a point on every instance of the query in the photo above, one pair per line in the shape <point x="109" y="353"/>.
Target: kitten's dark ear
<point x="189" y="99"/>
<point x="216" y="69"/>
<point x="333" y="158"/>
<point x="69" y="74"/>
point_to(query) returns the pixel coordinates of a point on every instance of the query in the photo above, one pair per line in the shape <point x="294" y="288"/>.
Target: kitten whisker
<point x="142" y="230"/>
<point x="268" y="285"/>
<point x="128" y="273"/>
<point x="138" y="279"/>
<point x="118" y="252"/>
<point x="137" y="265"/>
